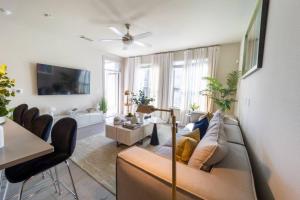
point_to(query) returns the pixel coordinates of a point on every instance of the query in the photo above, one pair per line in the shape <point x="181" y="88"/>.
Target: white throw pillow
<point x="211" y="149"/>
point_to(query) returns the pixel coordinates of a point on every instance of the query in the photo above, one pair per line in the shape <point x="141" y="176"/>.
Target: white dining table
<point x="20" y="145"/>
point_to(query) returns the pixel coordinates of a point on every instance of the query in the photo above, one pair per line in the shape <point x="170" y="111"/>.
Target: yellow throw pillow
<point x="195" y="134"/>
<point x="184" y="149"/>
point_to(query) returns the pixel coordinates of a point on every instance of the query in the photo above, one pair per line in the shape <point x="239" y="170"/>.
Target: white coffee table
<point x="127" y="136"/>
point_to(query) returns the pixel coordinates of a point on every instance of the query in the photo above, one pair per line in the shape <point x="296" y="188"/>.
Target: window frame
<point x="176" y="64"/>
<point x="116" y="71"/>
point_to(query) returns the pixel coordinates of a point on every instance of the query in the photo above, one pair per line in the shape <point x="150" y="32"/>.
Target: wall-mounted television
<point x="54" y="80"/>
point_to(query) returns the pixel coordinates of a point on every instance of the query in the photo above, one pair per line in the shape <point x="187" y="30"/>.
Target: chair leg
<point x="5" y="191"/>
<point x="21" y="190"/>
<point x="1" y="180"/>
<point x="53" y="180"/>
<point x="57" y="180"/>
<point x="43" y="175"/>
<point x="76" y="196"/>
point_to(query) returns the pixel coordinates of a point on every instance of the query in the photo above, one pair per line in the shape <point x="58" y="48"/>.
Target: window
<point x="144" y="79"/>
<point x="112" y="82"/>
<point x="178" y="83"/>
<point x="187" y="91"/>
<point x="147" y="80"/>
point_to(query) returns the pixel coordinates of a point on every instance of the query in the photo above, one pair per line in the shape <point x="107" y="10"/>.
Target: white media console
<point x="83" y="118"/>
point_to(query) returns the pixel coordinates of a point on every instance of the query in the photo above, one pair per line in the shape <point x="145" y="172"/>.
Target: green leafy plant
<point x="6" y="85"/>
<point x="129" y="115"/>
<point x="194" y="106"/>
<point x="222" y="95"/>
<point x="103" y="105"/>
<point x="142" y="99"/>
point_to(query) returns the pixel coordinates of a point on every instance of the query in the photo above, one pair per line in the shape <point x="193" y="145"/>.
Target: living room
<point x="149" y="99"/>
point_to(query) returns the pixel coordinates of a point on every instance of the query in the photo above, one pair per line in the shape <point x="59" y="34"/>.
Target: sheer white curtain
<point x="162" y="64"/>
<point x="213" y="58"/>
<point x="131" y="64"/>
<point x="195" y="68"/>
<point x="198" y="63"/>
<point x="156" y="75"/>
<point x="129" y="72"/>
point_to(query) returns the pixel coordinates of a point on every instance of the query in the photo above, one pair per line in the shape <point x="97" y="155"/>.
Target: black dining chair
<point x="63" y="135"/>
<point x="29" y="116"/>
<point x="19" y="112"/>
<point x="41" y="126"/>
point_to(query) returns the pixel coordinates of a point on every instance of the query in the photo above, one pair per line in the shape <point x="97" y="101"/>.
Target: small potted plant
<point x="6" y="91"/>
<point x="194" y="107"/>
<point x="103" y="105"/>
<point x="129" y="116"/>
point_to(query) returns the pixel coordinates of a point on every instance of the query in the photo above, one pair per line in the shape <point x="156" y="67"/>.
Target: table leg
<point x="154" y="138"/>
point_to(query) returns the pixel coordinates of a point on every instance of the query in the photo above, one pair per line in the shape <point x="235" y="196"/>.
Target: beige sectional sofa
<point x="144" y="175"/>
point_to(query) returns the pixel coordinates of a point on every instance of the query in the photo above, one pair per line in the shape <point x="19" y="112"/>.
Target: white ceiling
<point x="175" y="24"/>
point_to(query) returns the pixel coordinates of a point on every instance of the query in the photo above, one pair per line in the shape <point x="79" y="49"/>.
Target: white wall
<point x="228" y="60"/>
<point x="21" y="48"/>
<point x="269" y="106"/>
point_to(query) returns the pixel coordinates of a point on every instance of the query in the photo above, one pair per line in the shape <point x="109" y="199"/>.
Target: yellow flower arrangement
<point x="6" y="86"/>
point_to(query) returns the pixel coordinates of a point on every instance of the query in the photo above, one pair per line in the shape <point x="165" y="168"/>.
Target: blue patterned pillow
<point x="202" y="125"/>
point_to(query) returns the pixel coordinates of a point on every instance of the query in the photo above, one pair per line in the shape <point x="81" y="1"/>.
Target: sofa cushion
<point x="181" y="133"/>
<point x="164" y="151"/>
<point x="230" y="120"/>
<point x="195" y="134"/>
<point x="202" y="125"/>
<point x="169" y="141"/>
<point x="217" y="117"/>
<point x="211" y="149"/>
<point x="184" y="149"/>
<point x="236" y="170"/>
<point x="233" y="134"/>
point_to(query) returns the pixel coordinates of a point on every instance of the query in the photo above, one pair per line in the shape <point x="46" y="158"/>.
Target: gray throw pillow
<point x="211" y="149"/>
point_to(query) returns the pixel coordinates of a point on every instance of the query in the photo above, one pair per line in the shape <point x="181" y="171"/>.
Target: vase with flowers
<point x="6" y="91"/>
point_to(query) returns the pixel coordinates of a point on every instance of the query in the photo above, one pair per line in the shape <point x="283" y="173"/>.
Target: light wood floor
<point x="87" y="187"/>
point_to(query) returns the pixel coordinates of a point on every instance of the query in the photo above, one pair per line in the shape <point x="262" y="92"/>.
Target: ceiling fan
<point x="127" y="39"/>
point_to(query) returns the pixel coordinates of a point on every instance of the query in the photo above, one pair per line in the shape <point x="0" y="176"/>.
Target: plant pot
<point x="141" y="117"/>
<point x="2" y="119"/>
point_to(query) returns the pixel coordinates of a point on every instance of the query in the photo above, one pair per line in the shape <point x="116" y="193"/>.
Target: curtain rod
<point x="217" y="45"/>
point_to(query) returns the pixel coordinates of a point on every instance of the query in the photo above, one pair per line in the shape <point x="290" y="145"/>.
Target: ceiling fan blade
<point x="116" y="31"/>
<point x="110" y="40"/>
<point x="142" y="35"/>
<point x="86" y="38"/>
<point x="142" y="44"/>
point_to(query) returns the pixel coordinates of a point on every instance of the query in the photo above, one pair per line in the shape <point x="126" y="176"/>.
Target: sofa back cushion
<point x="212" y="148"/>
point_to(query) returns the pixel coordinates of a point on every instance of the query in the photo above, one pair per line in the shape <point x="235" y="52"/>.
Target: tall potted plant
<point x="6" y="91"/>
<point x="222" y="95"/>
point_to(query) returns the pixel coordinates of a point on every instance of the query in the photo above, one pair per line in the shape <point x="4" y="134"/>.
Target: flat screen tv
<point x="54" y="80"/>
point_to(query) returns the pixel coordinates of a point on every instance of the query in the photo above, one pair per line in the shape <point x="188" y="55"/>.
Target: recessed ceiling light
<point x="6" y="12"/>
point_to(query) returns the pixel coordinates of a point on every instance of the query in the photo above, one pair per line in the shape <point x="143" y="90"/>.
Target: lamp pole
<point x="149" y="109"/>
<point x="174" y="130"/>
<point x="173" y="155"/>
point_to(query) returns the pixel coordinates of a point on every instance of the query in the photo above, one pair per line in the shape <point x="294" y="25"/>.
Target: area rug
<point x="97" y="155"/>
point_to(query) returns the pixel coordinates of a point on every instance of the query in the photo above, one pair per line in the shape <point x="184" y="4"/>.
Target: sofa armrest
<point x="142" y="174"/>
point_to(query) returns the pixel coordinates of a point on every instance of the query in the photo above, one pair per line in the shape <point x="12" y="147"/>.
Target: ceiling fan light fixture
<point x="127" y="38"/>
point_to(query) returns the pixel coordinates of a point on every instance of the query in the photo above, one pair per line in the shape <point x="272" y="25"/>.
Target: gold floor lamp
<point x="149" y="109"/>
